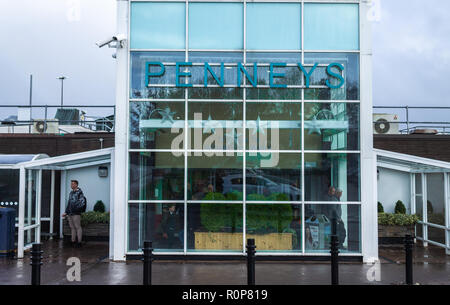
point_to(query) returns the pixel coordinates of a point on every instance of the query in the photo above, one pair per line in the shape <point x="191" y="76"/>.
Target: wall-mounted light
<point x="102" y="171"/>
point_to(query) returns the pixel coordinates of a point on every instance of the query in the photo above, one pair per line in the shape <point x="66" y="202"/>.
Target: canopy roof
<point x="15" y="159"/>
<point x="409" y="163"/>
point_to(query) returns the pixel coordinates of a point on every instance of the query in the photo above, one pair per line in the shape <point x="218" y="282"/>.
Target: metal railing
<point x="103" y="123"/>
<point x="89" y="122"/>
<point x="410" y="126"/>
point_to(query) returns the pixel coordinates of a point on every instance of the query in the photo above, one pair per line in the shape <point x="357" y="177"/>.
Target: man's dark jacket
<point x="77" y="202"/>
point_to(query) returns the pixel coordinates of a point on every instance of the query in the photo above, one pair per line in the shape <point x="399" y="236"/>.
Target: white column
<point x="120" y="155"/>
<point x="111" y="207"/>
<point x="20" y="241"/>
<point x="424" y="209"/>
<point x="369" y="215"/>
<point x="62" y="200"/>
<point x="447" y="211"/>
<point x="29" y="203"/>
<point x="52" y="203"/>
<point x="38" y="205"/>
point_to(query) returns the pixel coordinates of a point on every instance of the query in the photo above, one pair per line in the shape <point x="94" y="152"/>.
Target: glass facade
<point x="237" y="132"/>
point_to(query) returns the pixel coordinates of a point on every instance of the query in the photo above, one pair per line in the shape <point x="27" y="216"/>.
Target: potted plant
<point x="95" y="224"/>
<point x="392" y="228"/>
<point x="222" y="223"/>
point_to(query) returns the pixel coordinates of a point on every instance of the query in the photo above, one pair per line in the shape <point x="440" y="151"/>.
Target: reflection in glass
<point x="215" y="177"/>
<point x="331" y="126"/>
<point x="156" y="176"/>
<point x="275" y="227"/>
<point x="161" y="223"/>
<point x="155" y="125"/>
<point x="331" y="26"/>
<point x="350" y="89"/>
<point x="321" y="221"/>
<point x="230" y="61"/>
<point x="214" y="227"/>
<point x="138" y="87"/>
<point x="274" y="126"/>
<point x="215" y="125"/>
<point x="265" y="22"/>
<point x="273" y="177"/>
<point x="216" y="26"/>
<point x="332" y="177"/>
<point x="436" y="199"/>
<point x="419" y="198"/>
<point x="157" y="25"/>
<point x="436" y="235"/>
<point x="9" y="189"/>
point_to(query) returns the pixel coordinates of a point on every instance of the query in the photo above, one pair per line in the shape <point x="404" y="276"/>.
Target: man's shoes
<point x="79" y="245"/>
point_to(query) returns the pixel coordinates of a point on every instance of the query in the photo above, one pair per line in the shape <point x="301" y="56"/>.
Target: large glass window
<point x="324" y="219"/>
<point x="214" y="178"/>
<point x="156" y="25"/>
<point x="9" y="189"/>
<point x="156" y="125"/>
<point x="273" y="177"/>
<point x="265" y="22"/>
<point x="214" y="227"/>
<point x="150" y="80"/>
<point x="435" y="199"/>
<point x="275" y="227"/>
<point x="216" y="26"/>
<point x="331" y="26"/>
<point x="215" y="125"/>
<point x="156" y="176"/>
<point x="331" y="126"/>
<point x="275" y="126"/>
<point x="319" y="77"/>
<point x="210" y="187"/>
<point x="161" y="223"/>
<point x="332" y="177"/>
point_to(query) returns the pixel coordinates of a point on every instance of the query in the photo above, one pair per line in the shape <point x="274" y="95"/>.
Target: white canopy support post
<point x="447" y="211"/>
<point x="62" y="201"/>
<point x="20" y="241"/>
<point x="424" y="210"/>
<point x="29" y="202"/>
<point x="38" y="205"/>
<point x="52" y="203"/>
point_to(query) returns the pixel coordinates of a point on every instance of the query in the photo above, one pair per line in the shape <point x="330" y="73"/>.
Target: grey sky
<point x="411" y="52"/>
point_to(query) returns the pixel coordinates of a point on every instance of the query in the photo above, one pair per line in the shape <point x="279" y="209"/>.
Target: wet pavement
<point x="431" y="267"/>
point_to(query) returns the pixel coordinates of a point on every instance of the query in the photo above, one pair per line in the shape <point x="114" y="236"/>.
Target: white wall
<point x="93" y="187"/>
<point x="392" y="186"/>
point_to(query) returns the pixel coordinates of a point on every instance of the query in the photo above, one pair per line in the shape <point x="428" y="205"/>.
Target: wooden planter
<point x="233" y="241"/>
<point x="393" y="234"/>
<point x="92" y="231"/>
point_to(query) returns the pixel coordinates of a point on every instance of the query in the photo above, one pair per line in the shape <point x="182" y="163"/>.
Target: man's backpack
<point x="81" y="203"/>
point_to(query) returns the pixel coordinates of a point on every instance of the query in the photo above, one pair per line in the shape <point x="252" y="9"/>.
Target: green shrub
<point x="234" y="196"/>
<point x="94" y="217"/>
<point x="400" y="208"/>
<point x="380" y="208"/>
<point x="99" y="207"/>
<point x="214" y="196"/>
<point x="387" y="219"/>
<point x="256" y="197"/>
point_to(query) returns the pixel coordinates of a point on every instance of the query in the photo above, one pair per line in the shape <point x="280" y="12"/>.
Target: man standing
<point x="75" y="206"/>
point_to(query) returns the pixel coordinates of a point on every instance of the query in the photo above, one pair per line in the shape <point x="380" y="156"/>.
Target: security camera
<point x="119" y="39"/>
<point x="105" y="42"/>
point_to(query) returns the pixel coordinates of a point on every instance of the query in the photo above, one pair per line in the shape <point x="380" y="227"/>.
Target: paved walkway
<point x="431" y="266"/>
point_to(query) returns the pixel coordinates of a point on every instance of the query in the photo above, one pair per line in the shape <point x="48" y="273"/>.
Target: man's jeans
<point x="75" y="227"/>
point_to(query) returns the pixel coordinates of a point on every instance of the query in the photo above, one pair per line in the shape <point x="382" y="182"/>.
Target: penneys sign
<point x="157" y="69"/>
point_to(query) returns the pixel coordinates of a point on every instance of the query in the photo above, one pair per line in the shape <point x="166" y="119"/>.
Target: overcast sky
<point x="49" y="38"/>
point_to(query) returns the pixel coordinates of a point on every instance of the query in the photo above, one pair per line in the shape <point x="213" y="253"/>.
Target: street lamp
<point x="62" y="78"/>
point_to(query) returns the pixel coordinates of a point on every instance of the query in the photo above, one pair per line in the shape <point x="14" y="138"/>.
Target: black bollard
<point x="36" y="262"/>
<point x="334" y="250"/>
<point x="148" y="258"/>
<point x="409" y="243"/>
<point x="251" y="261"/>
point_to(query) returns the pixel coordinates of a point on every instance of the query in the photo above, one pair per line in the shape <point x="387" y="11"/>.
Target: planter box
<point x="391" y="235"/>
<point x="92" y="231"/>
<point x="233" y="241"/>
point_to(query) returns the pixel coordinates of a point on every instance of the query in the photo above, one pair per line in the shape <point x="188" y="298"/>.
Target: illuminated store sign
<point x="158" y="69"/>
